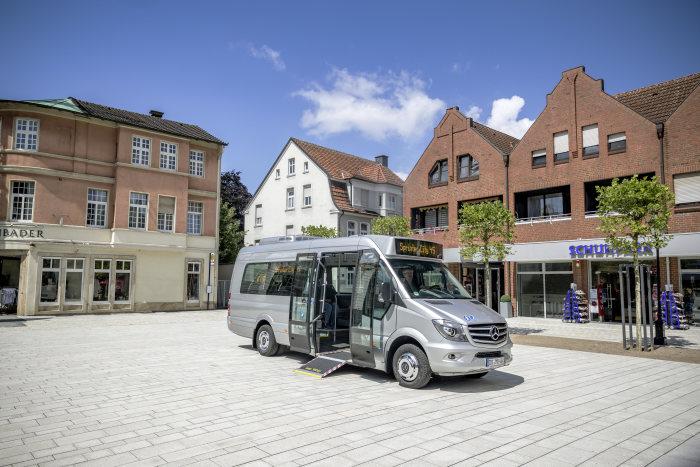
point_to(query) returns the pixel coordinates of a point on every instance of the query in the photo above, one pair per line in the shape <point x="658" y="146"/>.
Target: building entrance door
<point x="9" y="283"/>
<point x="475" y="283"/>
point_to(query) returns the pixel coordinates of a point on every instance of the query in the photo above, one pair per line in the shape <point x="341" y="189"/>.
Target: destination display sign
<point x="420" y="248"/>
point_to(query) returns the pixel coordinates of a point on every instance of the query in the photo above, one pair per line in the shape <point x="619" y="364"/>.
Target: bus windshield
<point x="427" y="279"/>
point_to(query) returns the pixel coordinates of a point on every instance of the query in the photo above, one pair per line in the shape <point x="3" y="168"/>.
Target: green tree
<point x="319" y="231"/>
<point x="230" y="234"/>
<point x="396" y="226"/>
<point x="485" y="230"/>
<point x="634" y="214"/>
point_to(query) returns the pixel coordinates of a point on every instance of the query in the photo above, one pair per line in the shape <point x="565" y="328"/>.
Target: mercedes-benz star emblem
<point x="494" y="333"/>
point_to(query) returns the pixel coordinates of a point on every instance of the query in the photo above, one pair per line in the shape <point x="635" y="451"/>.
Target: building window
<point x="434" y="217"/>
<point x="138" y="210"/>
<point x="101" y="278"/>
<point x="617" y="142"/>
<point x="551" y="202"/>
<point x="193" y="270"/>
<point x="590" y="141"/>
<point x="291" y="167"/>
<point x="439" y="173"/>
<point x="687" y="188"/>
<point x="166" y="213"/>
<point x="306" y="166"/>
<point x="26" y="134"/>
<point x="468" y="167"/>
<point x="539" y="158"/>
<point x="290" y="198"/>
<point x="307" y="196"/>
<point x="122" y="280"/>
<point x="591" y="193"/>
<point x="380" y="200"/>
<point x="22" y="200"/>
<point x="561" y="146"/>
<point x="392" y="202"/>
<point x="73" y="289"/>
<point x="258" y="215"/>
<point x="50" y="276"/>
<point x="277" y="174"/>
<point x="140" y="151"/>
<point x="96" y="208"/>
<point x="364" y="228"/>
<point x="289" y="230"/>
<point x="542" y="288"/>
<point x="351" y="228"/>
<point x="690" y="285"/>
<point x="194" y="217"/>
<point x="197" y="163"/>
<point x="168" y="156"/>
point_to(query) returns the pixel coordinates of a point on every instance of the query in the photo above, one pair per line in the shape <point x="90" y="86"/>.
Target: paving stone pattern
<point x="179" y="389"/>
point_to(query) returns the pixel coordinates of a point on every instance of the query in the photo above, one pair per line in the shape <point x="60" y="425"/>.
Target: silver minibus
<point x="372" y="301"/>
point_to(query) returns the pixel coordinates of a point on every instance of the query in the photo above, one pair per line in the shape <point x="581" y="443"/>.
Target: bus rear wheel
<point x="266" y="342"/>
<point x="411" y="366"/>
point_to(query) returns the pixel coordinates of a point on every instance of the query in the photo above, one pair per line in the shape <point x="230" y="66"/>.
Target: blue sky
<point x="366" y="77"/>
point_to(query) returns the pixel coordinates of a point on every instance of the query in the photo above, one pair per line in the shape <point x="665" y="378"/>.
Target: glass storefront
<point x="690" y="284"/>
<point x="542" y="288"/>
<point x="605" y="279"/>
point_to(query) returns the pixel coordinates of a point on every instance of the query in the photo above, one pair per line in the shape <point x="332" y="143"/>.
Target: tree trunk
<point x="637" y="298"/>
<point x="487" y="283"/>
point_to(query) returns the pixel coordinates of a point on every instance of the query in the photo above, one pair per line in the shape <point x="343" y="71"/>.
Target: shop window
<point x="168" y="156"/>
<point x="687" y="188"/>
<point x="617" y="143"/>
<point x="468" y="167"/>
<point x="351" y="228"/>
<point x="74" y="280"/>
<point x="364" y="228"/>
<point x="122" y="280"/>
<point x="50" y="275"/>
<point x="22" y="200"/>
<point x="194" y="217"/>
<point x="138" y="210"/>
<point x="197" y="163"/>
<point x="539" y="158"/>
<point x="26" y="134"/>
<point x="140" y="151"/>
<point x="542" y="288"/>
<point x="166" y="213"/>
<point x="690" y="285"/>
<point x="543" y="204"/>
<point x="439" y="173"/>
<point x="101" y="279"/>
<point x="590" y="141"/>
<point x="97" y="208"/>
<point x="193" y="272"/>
<point x="561" y="146"/>
<point x="591" y="193"/>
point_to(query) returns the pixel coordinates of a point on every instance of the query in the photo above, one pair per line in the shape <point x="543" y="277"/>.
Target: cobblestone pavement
<point x="609" y="332"/>
<point x="179" y="389"/>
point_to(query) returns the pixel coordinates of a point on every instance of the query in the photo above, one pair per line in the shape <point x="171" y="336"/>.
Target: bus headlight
<point x="450" y="330"/>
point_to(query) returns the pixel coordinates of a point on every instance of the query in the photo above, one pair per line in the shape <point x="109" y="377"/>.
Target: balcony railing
<point x="543" y="219"/>
<point x="430" y="230"/>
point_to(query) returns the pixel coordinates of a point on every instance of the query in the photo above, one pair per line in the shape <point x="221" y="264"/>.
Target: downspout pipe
<point x="659" y="334"/>
<point x="660" y="130"/>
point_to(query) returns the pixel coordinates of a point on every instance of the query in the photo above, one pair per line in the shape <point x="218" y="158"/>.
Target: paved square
<point x="179" y="389"/>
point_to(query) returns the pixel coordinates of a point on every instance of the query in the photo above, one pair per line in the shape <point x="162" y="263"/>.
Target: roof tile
<point x="658" y="101"/>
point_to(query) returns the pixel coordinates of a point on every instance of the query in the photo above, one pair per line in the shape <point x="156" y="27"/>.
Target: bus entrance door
<point x="301" y="303"/>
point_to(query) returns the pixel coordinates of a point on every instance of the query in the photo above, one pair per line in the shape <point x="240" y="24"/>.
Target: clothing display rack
<point x="672" y="310"/>
<point x="575" y="309"/>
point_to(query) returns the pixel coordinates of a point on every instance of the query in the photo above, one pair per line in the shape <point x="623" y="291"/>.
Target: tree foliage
<point x="485" y="230"/>
<point x="319" y="231"/>
<point x="235" y="193"/>
<point x="396" y="226"/>
<point x="230" y="234"/>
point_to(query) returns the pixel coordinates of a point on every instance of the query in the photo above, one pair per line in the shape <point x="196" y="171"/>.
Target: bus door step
<point x="324" y="364"/>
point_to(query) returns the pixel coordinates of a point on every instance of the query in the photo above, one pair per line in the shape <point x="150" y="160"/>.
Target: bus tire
<point x="411" y="366"/>
<point x="476" y="375"/>
<point x="266" y="342"/>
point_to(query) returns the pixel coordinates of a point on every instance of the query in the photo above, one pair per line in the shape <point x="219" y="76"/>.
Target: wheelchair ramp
<point x="325" y="364"/>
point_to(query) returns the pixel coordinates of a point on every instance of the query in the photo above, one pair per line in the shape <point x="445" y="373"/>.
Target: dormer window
<point x="438" y="175"/>
<point x="468" y="168"/>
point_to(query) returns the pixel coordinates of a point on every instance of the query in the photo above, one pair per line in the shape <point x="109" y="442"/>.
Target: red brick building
<point x="583" y="138"/>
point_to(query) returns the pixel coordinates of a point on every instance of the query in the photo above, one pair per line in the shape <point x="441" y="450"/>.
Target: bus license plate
<point x="495" y="362"/>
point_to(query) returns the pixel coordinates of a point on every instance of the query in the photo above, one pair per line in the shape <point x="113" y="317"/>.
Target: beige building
<point x="104" y="210"/>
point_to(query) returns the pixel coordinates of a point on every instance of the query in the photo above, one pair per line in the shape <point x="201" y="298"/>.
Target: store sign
<point x="603" y="249"/>
<point x="418" y="248"/>
<point x="10" y="233"/>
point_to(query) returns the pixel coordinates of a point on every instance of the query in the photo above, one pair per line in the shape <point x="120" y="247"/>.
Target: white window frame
<point x="198" y="272"/>
<point x="364" y="226"/>
<point x="172" y="221"/>
<point x="58" y="282"/>
<point x="23" y="197"/>
<point x="197" y="158"/>
<point x="138" y="207"/>
<point x="277" y="174"/>
<point x="351" y="230"/>
<point x="196" y="214"/>
<point x="306" y="196"/>
<point x="290" y="198"/>
<point x="109" y="279"/>
<point x="28" y="133"/>
<point x="291" y="166"/>
<point x="306" y="166"/>
<point x="121" y="270"/>
<point x="82" y="279"/>
<point x="167" y="156"/>
<point x="139" y="153"/>
<point x="96" y="203"/>
<point x="392" y="202"/>
<point x="258" y="215"/>
<point x="380" y="200"/>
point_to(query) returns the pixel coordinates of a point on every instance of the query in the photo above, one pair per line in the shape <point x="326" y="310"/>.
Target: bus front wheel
<point x="266" y="342"/>
<point x="411" y="366"/>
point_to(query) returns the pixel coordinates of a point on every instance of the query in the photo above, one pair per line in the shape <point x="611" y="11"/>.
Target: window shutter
<point x="539" y="153"/>
<point x="430" y="218"/>
<point x="442" y="217"/>
<point x="687" y="188"/>
<point x="616" y="137"/>
<point x="561" y="142"/>
<point x="590" y="136"/>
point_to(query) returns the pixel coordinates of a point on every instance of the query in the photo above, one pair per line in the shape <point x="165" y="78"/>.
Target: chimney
<point x="384" y="160"/>
<point x="156" y="113"/>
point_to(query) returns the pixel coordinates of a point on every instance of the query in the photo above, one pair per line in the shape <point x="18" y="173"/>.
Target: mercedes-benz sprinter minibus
<point x="373" y="301"/>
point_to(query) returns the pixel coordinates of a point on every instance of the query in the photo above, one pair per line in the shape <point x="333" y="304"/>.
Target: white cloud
<point x="268" y="54"/>
<point x="377" y="106"/>
<point x="474" y="112"/>
<point x="504" y="116"/>
<point x="402" y="175"/>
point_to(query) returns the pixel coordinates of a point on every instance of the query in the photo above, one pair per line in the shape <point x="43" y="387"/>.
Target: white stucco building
<point x="309" y="184"/>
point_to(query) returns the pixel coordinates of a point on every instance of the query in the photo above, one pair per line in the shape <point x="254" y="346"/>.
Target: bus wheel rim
<point x="264" y="340"/>
<point x="408" y="367"/>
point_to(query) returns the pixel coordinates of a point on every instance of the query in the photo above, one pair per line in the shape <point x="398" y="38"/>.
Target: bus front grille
<point x="495" y="333"/>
